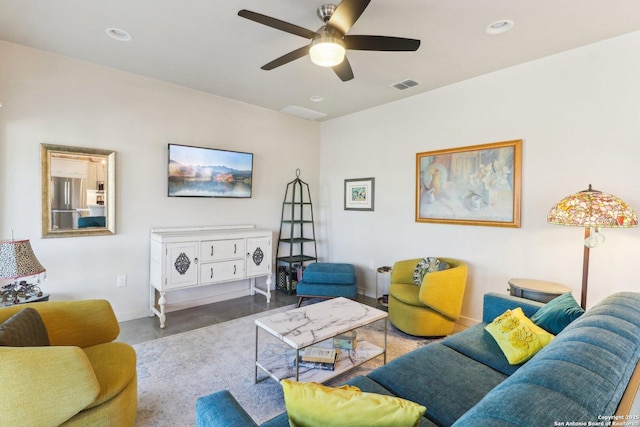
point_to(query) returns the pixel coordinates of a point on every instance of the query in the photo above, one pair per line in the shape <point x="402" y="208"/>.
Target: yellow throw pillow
<point x="518" y="337"/>
<point x="312" y="404"/>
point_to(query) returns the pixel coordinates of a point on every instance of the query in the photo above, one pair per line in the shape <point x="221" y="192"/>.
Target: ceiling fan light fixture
<point x="327" y="50"/>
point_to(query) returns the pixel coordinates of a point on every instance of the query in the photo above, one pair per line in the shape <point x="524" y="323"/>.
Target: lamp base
<point x="585" y="270"/>
<point x="12" y="292"/>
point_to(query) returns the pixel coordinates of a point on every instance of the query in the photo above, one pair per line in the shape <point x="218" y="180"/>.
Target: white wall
<point x="49" y="98"/>
<point x="578" y="115"/>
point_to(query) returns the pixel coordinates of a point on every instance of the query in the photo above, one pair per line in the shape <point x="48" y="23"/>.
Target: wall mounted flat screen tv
<point x="208" y="172"/>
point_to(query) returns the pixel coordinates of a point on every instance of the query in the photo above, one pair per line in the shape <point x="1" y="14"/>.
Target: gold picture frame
<point x="95" y="194"/>
<point x="473" y="185"/>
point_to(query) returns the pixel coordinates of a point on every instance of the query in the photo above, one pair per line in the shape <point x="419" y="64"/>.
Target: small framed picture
<point x="359" y="194"/>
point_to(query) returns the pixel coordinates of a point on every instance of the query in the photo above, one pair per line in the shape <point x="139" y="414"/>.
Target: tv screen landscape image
<point x="209" y="172"/>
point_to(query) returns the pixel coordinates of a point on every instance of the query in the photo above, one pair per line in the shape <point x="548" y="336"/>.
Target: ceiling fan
<point x="330" y="42"/>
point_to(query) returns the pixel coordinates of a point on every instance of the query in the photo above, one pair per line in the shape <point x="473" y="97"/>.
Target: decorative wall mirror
<point x="78" y="191"/>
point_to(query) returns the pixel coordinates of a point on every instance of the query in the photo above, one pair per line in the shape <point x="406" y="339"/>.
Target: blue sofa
<point x="465" y="380"/>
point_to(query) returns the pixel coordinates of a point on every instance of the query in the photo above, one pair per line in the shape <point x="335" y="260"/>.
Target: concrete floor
<point x="148" y="328"/>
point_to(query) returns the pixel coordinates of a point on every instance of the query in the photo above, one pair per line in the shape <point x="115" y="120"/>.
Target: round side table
<point x="536" y="290"/>
<point x="383" y="281"/>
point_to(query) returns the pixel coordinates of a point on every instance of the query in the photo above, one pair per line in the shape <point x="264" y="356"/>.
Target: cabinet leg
<point x="162" y="302"/>
<point x="268" y="294"/>
<point x="252" y="289"/>
<point x="152" y="301"/>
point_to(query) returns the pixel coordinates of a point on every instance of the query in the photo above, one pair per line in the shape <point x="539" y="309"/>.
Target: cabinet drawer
<point x="214" y="250"/>
<point x="221" y="271"/>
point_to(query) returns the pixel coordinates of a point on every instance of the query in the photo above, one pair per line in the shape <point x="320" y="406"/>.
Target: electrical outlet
<point x="122" y="280"/>
<point x="371" y="267"/>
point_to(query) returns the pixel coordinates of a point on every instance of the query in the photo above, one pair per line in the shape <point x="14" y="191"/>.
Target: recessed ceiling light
<point x="317" y="98"/>
<point x="118" y="34"/>
<point x="499" y="27"/>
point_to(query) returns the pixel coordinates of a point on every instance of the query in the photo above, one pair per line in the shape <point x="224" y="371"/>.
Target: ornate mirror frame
<point x="106" y="196"/>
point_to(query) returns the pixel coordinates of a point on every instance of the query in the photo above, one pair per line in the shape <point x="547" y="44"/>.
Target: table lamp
<point x="17" y="260"/>
<point x="593" y="210"/>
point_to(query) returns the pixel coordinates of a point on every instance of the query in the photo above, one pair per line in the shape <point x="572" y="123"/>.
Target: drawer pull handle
<point x="211" y="272"/>
<point x="235" y="248"/>
<point x="211" y="250"/>
<point x="234" y="270"/>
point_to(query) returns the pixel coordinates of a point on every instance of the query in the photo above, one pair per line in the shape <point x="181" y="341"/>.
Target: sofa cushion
<point x="434" y="376"/>
<point x="495" y="304"/>
<point x="518" y="337"/>
<point x="558" y="313"/>
<point x="305" y="287"/>
<point x="330" y="273"/>
<point x="406" y="293"/>
<point x="221" y="408"/>
<point x="24" y="329"/>
<point x="312" y="404"/>
<point x="475" y="342"/>
<point x="114" y="365"/>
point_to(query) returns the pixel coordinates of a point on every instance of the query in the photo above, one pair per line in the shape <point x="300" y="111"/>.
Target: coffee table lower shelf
<point x="347" y="360"/>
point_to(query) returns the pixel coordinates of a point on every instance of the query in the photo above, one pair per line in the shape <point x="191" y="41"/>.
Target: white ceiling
<point x="205" y="45"/>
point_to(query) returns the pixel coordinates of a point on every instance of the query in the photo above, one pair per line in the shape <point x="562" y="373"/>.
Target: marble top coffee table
<point x="316" y="324"/>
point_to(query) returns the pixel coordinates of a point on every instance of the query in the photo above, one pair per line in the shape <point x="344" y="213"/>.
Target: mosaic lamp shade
<point x="18" y="260"/>
<point x="593" y="210"/>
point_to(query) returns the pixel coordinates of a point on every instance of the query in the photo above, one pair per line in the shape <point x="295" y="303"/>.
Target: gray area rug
<point x="174" y="371"/>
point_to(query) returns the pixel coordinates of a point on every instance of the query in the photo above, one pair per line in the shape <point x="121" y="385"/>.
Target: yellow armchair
<point x="83" y="378"/>
<point x="432" y="308"/>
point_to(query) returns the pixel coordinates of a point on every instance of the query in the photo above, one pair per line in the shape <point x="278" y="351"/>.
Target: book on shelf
<point x="320" y="354"/>
<point x="346" y="341"/>
<point x="316" y="365"/>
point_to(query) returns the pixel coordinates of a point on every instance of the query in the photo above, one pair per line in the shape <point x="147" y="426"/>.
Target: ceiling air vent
<point x="405" y="84"/>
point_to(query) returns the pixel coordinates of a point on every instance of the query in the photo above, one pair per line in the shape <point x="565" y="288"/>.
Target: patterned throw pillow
<point x="426" y="265"/>
<point x="517" y="336"/>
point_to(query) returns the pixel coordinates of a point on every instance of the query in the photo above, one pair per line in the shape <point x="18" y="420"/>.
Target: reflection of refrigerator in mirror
<point x="67" y="196"/>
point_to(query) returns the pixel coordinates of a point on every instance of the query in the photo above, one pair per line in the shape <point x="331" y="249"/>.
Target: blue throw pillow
<point x="558" y="313"/>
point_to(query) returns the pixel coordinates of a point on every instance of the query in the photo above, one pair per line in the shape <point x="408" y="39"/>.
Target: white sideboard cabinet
<point x="187" y="257"/>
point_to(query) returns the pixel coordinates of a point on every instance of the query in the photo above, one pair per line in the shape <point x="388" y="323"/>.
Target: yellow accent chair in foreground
<point x="82" y="378"/>
<point x="431" y="309"/>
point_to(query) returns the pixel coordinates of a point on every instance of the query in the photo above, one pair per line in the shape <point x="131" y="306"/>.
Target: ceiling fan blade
<point x="347" y="13"/>
<point x="358" y="42"/>
<point x="277" y="24"/>
<point x="343" y="70"/>
<point x="285" y="59"/>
